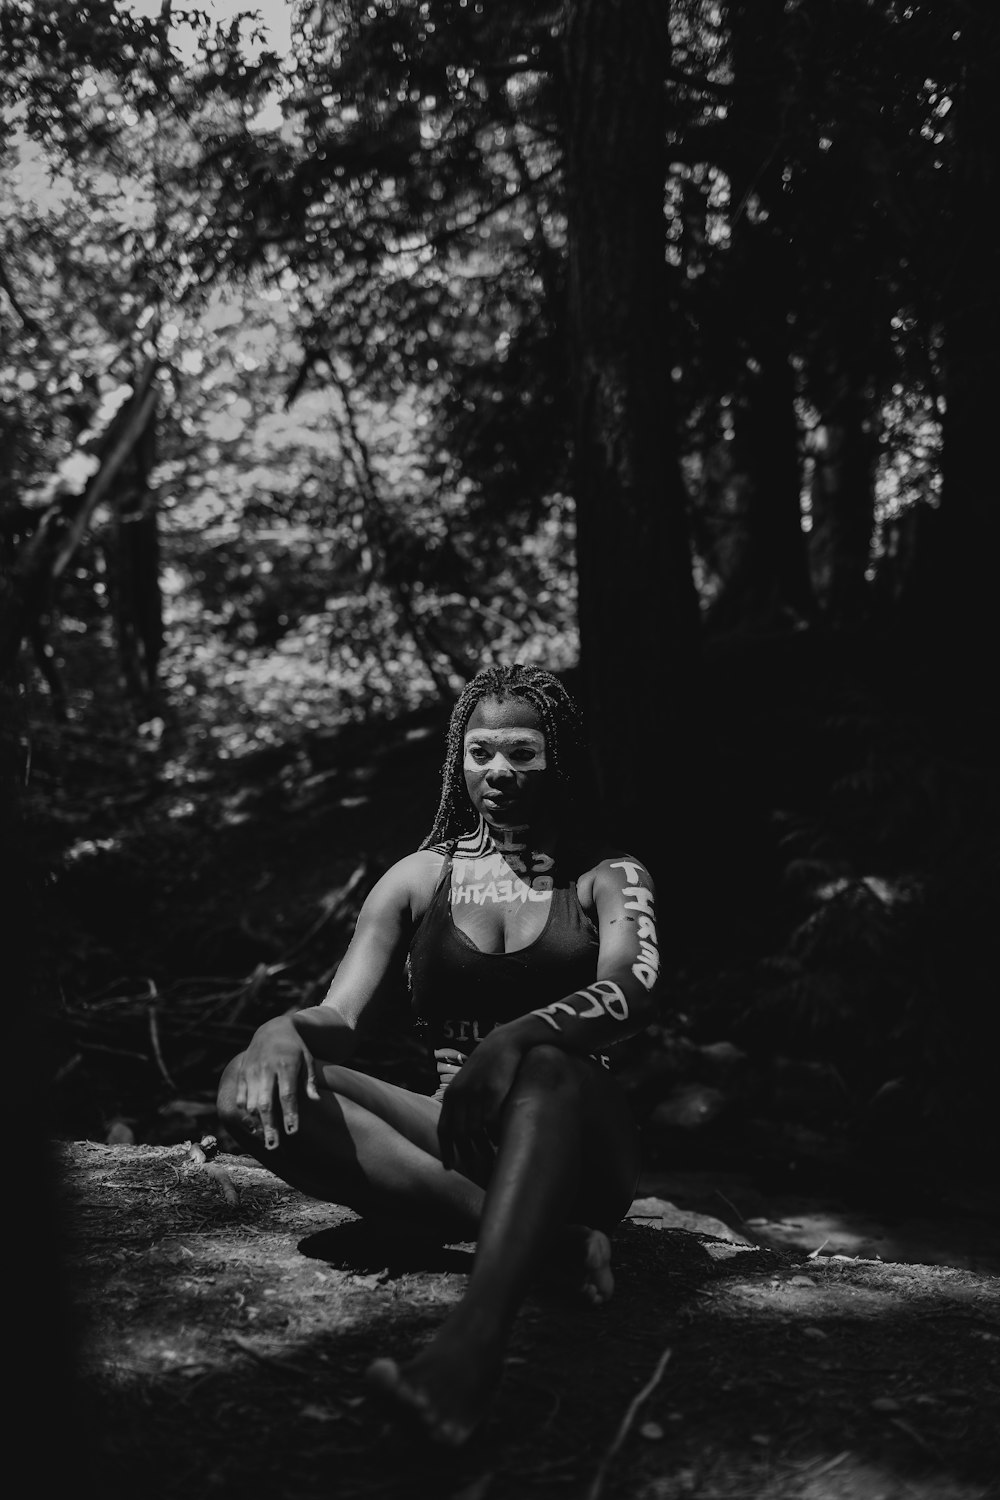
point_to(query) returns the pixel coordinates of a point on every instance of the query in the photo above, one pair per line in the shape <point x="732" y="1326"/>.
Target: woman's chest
<point x="501" y="905"/>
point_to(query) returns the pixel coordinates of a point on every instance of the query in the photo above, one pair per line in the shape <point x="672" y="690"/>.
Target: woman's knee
<point x="552" y="1069"/>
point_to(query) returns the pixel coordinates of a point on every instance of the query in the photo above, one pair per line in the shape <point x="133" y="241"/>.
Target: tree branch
<point x="29" y="322"/>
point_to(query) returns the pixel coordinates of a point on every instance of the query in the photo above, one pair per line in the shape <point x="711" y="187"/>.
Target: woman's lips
<point x="498" y="801"/>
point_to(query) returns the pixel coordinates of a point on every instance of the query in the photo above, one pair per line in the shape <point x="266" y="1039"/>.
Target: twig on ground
<point x="730" y="1205"/>
<point x="917" y="1437"/>
<point x="154" y="1037"/>
<point x="334" y="907"/>
<point x="184" y="1005"/>
<point x="831" y="1463"/>
<point x="477" y="1489"/>
<point x="198" y="1159"/>
<point x="270" y="1360"/>
<point x="626" y="1423"/>
<point x="226" y="1184"/>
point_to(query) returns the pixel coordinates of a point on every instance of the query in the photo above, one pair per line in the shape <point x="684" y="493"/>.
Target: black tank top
<point x="459" y="992"/>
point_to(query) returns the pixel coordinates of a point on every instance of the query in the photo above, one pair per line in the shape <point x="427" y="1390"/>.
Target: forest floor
<point x="847" y="1350"/>
<point x="228" y="1323"/>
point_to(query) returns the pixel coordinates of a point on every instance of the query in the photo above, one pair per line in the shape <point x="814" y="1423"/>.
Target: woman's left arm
<point x="618" y="1004"/>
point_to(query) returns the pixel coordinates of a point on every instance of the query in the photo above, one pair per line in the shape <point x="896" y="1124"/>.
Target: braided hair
<point x="563" y="728"/>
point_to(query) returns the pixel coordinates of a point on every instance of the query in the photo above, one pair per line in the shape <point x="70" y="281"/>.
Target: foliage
<point x="403" y="582"/>
<point x="341" y="273"/>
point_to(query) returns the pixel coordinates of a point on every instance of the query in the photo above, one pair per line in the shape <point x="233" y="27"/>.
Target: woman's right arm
<point x="284" y="1051"/>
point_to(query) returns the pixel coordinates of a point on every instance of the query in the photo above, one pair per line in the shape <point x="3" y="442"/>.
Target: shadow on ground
<point x="226" y="1343"/>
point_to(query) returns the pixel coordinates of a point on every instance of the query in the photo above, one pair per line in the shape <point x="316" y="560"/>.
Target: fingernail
<point x="291" y="1125"/>
<point x="270" y="1138"/>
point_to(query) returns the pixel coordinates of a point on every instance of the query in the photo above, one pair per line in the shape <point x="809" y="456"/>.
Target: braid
<point x="559" y="714"/>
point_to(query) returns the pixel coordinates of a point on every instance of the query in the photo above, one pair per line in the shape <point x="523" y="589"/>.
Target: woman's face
<point x="505" y="762"/>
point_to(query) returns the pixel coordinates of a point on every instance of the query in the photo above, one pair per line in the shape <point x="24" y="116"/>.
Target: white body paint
<point x="480" y="881"/>
<point x="605" y="999"/>
<point x="640" y="898"/>
<point x="505" y="750"/>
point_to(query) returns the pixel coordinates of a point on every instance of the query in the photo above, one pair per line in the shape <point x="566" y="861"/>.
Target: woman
<point x="529" y="949"/>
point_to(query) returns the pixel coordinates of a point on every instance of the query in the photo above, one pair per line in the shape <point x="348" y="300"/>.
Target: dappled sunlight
<point x="250" y="1328"/>
<point x="828" y="1232"/>
<point x="82" y="849"/>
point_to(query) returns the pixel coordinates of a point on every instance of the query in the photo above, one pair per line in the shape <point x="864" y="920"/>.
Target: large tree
<point x="638" y="612"/>
<point x="970" y="503"/>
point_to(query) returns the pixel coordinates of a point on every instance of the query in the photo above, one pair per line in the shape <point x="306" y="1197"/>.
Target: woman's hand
<point x="275" y="1062"/>
<point x="473" y="1100"/>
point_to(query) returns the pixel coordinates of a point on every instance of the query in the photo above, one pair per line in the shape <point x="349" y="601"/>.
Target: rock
<point x="660" y="1214"/>
<point x="722" y="1062"/>
<point x="728" y="1251"/>
<point x="691" y="1107"/>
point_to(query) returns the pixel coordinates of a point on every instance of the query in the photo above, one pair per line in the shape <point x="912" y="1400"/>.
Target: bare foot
<point x="588" y="1260"/>
<point x="579" y="1261"/>
<point x="446" y="1389"/>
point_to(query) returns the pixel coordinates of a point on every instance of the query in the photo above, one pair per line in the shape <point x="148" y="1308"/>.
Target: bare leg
<point x="373" y="1147"/>
<point x="558" y="1119"/>
<point x="368" y="1145"/>
<point x="566" y="1160"/>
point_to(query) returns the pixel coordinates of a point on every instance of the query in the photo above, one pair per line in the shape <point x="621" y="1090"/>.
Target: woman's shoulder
<point x="412" y="880"/>
<point x="414" y="870"/>
<point x="610" y="866"/>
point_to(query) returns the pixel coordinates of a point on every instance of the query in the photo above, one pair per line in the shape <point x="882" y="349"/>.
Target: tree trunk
<point x="970" y="504"/>
<point x="843" y="500"/>
<point x="774" y="584"/>
<point x="637" y="606"/>
<point x="44" y="556"/>
<point x="138" y="599"/>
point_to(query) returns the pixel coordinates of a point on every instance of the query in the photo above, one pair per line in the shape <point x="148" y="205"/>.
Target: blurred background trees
<point x="651" y="342"/>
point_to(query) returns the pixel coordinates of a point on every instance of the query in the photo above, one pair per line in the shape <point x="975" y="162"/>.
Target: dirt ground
<point x="227" y="1323"/>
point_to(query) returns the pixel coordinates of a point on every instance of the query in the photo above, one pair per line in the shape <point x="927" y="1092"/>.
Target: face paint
<point x="510" y="750"/>
<point x="507" y="768"/>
